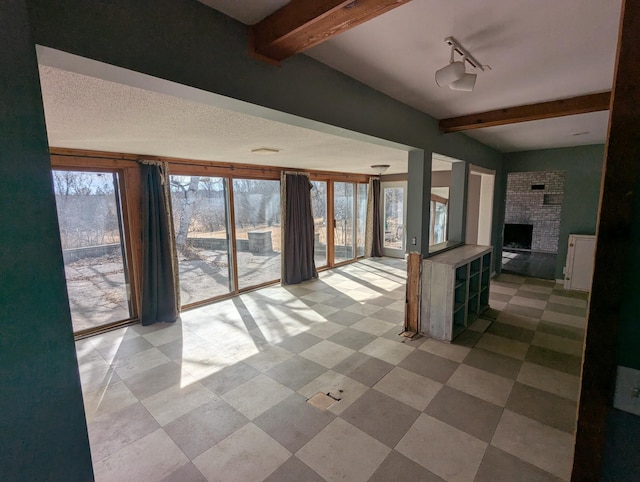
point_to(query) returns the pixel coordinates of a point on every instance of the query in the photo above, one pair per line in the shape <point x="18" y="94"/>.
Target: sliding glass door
<point x="202" y="237"/>
<point x="344" y="215"/>
<point x="94" y="248"/>
<point x="319" y="212"/>
<point x="257" y="231"/>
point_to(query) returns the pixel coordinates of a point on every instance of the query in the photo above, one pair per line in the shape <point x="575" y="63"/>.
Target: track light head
<point x="450" y="73"/>
<point x="464" y="83"/>
<point x="454" y="74"/>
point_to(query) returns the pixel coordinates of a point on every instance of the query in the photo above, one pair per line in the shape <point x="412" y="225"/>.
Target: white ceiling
<point x="84" y="112"/>
<point x="538" y="50"/>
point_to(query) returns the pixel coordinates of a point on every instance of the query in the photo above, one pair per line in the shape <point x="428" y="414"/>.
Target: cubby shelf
<point x="455" y="287"/>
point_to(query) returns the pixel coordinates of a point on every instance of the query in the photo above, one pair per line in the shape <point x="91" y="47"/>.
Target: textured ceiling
<point x="85" y="112"/>
<point x="538" y="50"/>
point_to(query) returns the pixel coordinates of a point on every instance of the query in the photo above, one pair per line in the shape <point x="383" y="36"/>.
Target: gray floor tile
<point x="229" y="378"/>
<point x="398" y="468"/>
<point x="581" y="295"/>
<point x="111" y="432"/>
<point x="524" y="310"/>
<point x="345" y="318"/>
<point x="500" y="297"/>
<point x="364" y="368"/>
<point x="293" y="422"/>
<point x="392" y="316"/>
<point x="465" y="412"/>
<point x="569" y="310"/>
<point x="299" y="342"/>
<point x="513" y="332"/>
<point x="124" y="348"/>
<point x="340" y="302"/>
<point x="186" y="473"/>
<point x="565" y="331"/>
<point x="467" y="338"/>
<point x="381" y="301"/>
<point x="495" y="363"/>
<point x="295" y="372"/>
<point x="429" y="365"/>
<point x="555" y="360"/>
<point x="380" y="416"/>
<point x="540" y="282"/>
<point x="205" y="426"/>
<point x="354" y="339"/>
<point x="294" y="470"/>
<point x="545" y="407"/>
<point x="154" y="380"/>
<point x="500" y="466"/>
<point x="534" y="295"/>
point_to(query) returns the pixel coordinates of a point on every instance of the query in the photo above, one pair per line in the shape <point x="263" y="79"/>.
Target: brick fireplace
<point x="534" y="204"/>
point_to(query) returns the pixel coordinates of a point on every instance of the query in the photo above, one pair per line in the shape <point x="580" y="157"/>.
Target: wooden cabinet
<point x="455" y="290"/>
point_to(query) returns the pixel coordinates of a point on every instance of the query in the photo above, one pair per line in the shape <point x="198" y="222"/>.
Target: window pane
<point x="439" y="213"/>
<point x="92" y="245"/>
<point x="363" y="195"/>
<point x="257" y="219"/>
<point x="394" y="217"/>
<point x="343" y="202"/>
<point x="319" y="210"/>
<point x="200" y="220"/>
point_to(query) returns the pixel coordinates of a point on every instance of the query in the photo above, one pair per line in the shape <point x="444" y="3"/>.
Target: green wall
<point x="43" y="434"/>
<point x="583" y="170"/>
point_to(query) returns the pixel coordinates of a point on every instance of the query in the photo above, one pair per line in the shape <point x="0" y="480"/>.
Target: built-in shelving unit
<point x="455" y="290"/>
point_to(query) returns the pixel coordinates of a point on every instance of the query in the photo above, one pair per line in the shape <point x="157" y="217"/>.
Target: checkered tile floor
<point x="222" y="395"/>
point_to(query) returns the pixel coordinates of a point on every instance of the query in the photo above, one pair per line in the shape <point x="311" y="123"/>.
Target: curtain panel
<point x="297" y="229"/>
<point x="373" y="233"/>
<point x="160" y="300"/>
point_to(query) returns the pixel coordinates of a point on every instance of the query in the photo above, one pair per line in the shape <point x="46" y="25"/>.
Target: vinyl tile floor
<point x="222" y="394"/>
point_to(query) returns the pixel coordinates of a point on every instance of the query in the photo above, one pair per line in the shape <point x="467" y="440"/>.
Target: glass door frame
<point x="129" y="198"/>
<point x="394" y="252"/>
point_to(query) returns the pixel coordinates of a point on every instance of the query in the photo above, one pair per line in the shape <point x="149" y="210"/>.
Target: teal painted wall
<point x="43" y="434"/>
<point x="583" y="170"/>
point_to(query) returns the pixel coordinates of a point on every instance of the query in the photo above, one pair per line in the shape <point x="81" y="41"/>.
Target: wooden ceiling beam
<point x="301" y="24"/>
<point x="524" y="113"/>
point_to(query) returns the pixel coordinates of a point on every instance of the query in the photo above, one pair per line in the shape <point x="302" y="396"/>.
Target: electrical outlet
<point x="414" y="240"/>
<point x="564" y="270"/>
<point x="627" y="395"/>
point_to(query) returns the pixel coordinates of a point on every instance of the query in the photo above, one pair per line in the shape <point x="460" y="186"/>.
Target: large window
<point x="92" y="235"/>
<point x="202" y="237"/>
<point x="438" y="215"/>
<point x="394" y="217"/>
<point x="319" y="212"/>
<point x="257" y="226"/>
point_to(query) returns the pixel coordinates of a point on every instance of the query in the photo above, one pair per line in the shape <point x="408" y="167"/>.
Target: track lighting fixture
<point x="454" y="74"/>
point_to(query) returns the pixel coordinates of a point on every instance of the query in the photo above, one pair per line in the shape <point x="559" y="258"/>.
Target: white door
<point x="580" y="257"/>
<point x="394" y="217"/>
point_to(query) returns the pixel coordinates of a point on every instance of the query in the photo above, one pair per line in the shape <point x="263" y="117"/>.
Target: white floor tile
<point x="387" y="350"/>
<point x="446" y="350"/>
<point x="481" y="384"/>
<point x="408" y="387"/>
<point x="150" y="459"/>
<point x="256" y="396"/>
<point x="444" y="450"/>
<point x="327" y="353"/>
<point x="244" y="456"/>
<point x="343" y="452"/>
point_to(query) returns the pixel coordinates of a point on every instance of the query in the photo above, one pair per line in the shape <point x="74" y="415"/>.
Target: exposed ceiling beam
<point x="544" y="110"/>
<point x="301" y="24"/>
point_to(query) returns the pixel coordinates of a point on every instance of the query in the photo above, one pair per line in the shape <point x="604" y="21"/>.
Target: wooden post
<point x="412" y="302"/>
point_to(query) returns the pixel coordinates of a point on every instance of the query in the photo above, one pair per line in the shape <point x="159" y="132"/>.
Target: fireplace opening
<point x="518" y="236"/>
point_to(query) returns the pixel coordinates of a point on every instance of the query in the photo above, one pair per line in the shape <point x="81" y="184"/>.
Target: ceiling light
<point x="266" y="151"/>
<point x="454" y="74"/>
<point x="465" y="83"/>
<point x="380" y="168"/>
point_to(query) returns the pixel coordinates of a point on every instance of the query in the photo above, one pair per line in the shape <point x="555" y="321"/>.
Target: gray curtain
<point x="297" y="227"/>
<point x="373" y="234"/>
<point x="159" y="299"/>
